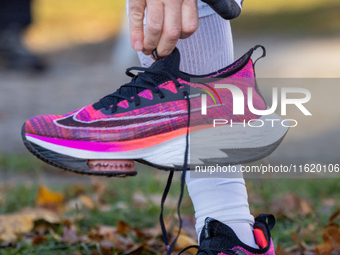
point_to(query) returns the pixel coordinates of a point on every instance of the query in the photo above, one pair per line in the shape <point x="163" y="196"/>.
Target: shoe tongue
<point x="169" y="63"/>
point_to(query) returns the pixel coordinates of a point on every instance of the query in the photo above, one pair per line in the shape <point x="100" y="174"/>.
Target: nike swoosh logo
<point x="119" y="122"/>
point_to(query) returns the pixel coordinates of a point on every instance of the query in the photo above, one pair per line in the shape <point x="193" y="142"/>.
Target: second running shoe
<point x="146" y="120"/>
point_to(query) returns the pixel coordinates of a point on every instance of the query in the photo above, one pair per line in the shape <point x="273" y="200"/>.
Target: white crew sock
<point x="210" y="48"/>
<point x="225" y="199"/>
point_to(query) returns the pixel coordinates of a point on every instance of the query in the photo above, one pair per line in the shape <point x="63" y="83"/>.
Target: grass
<point x="119" y="194"/>
<point x="316" y="191"/>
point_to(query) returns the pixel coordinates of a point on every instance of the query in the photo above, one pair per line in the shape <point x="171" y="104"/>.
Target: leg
<point x="210" y="49"/>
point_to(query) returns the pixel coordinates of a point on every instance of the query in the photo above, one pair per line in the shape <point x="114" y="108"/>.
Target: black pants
<point x="15" y="12"/>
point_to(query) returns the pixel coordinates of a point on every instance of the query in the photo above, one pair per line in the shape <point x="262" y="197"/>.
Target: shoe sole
<point x="236" y="145"/>
<point x="67" y="163"/>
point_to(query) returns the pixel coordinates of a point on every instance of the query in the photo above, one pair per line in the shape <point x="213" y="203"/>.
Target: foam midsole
<point x="204" y="144"/>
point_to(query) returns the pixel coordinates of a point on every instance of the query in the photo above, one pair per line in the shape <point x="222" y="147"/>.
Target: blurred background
<point x="76" y="52"/>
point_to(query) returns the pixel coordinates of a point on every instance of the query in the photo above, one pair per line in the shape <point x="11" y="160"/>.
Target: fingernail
<point x="138" y="46"/>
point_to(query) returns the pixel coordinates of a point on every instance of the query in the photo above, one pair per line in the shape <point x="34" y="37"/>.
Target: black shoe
<point x="219" y="239"/>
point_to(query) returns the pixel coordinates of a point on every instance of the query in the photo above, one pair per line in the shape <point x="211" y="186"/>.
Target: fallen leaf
<point x="334" y="217"/>
<point x="106" y="247"/>
<point x="105" y="230"/>
<point x="295" y="237"/>
<point x="39" y="239"/>
<point x="123" y="228"/>
<point x="324" y="248"/>
<point x="333" y="235"/>
<point x="42" y="214"/>
<point x="135" y="250"/>
<point x="86" y="201"/>
<point x="70" y="234"/>
<point x="13" y="224"/>
<point x="49" y="199"/>
<point x="106" y="233"/>
<point x="280" y="251"/>
<point x="304" y="207"/>
<point x="184" y="241"/>
<point x="290" y="204"/>
<point x="123" y="243"/>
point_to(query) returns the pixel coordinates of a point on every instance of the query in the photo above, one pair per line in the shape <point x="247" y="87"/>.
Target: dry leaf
<point x="49" y="199"/>
<point x="331" y="241"/>
<point x="326" y="247"/>
<point x="295" y="237"/>
<point x="39" y="239"/>
<point x="289" y="204"/>
<point x="105" y="208"/>
<point x="123" y="228"/>
<point x="70" y="234"/>
<point x="86" y="201"/>
<point x="185" y="241"/>
<point x="105" y="233"/>
<point x="42" y="214"/>
<point x="106" y="247"/>
<point x="333" y="235"/>
<point x="135" y="250"/>
<point x="334" y="217"/>
<point x="280" y="251"/>
<point x="105" y="230"/>
<point x="12" y="224"/>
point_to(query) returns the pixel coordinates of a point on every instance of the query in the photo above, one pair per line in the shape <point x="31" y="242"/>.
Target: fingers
<point x="153" y="26"/>
<point x="166" y="22"/>
<point x="172" y="27"/>
<point x="136" y="16"/>
<point x="190" y="19"/>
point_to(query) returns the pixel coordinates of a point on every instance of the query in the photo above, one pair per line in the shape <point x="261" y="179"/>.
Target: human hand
<point x="167" y="21"/>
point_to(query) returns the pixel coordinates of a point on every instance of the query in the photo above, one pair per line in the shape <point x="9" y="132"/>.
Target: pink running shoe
<point x="146" y="120"/>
